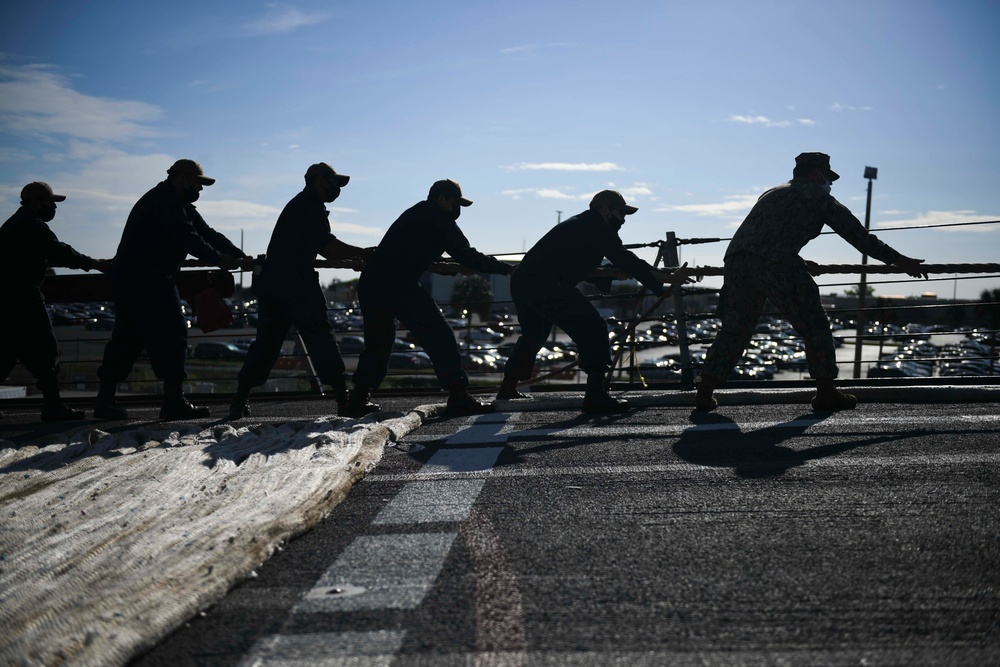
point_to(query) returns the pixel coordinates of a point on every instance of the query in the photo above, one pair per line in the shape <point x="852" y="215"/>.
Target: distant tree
<point x="989" y="307"/>
<point x="853" y="290"/>
<point x="345" y="291"/>
<point x="472" y="293"/>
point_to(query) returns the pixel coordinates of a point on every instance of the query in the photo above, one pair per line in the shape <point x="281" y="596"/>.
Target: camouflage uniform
<point x="762" y="262"/>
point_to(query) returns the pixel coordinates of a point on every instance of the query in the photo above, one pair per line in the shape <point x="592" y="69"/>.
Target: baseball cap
<point x="39" y="190"/>
<point x="191" y="168"/>
<point x="323" y="169"/>
<point x="612" y="199"/>
<point x="448" y="188"/>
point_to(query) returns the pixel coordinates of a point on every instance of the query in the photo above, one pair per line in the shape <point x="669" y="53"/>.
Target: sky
<point x="691" y="109"/>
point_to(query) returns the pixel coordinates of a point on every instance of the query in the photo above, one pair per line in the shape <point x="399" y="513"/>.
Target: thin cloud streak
<point x="767" y="122"/>
<point x="543" y="193"/>
<point x="732" y="204"/>
<point x="282" y="19"/>
<point x="945" y="218"/>
<point x="565" y="166"/>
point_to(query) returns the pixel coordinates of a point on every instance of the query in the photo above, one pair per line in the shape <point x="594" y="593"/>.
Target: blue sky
<point x="691" y="109"/>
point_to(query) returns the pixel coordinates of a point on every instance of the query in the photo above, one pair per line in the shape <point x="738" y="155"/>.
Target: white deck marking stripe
<point x="326" y="649"/>
<point x="380" y="572"/>
<point x="425" y="502"/>
<point x="476" y="459"/>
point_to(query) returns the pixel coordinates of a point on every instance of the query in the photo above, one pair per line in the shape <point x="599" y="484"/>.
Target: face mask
<point x="616" y="219"/>
<point x="190" y="195"/>
<point x="330" y="193"/>
<point x="47" y="212"/>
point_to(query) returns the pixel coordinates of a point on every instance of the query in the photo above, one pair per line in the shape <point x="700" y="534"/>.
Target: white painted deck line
<point x="380" y="572"/>
<point x="431" y="501"/>
<point x="469" y="460"/>
<point x="326" y="649"/>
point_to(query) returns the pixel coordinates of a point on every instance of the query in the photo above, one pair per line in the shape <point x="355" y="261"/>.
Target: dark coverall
<point x="288" y="292"/>
<point x="545" y="293"/>
<point x="160" y="232"/>
<point x="389" y="288"/>
<point x="763" y="263"/>
<point x="27" y="247"/>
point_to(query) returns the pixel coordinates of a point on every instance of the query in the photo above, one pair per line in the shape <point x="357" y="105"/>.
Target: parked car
<point x="100" y="324"/>
<point x="219" y="351"/>
<point x="410" y="361"/>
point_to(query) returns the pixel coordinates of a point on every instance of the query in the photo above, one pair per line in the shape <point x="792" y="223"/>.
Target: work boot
<point x="508" y="390"/>
<point x="341" y="395"/>
<point x="838" y="400"/>
<point x="177" y="408"/>
<point x="829" y="398"/>
<point x="704" y="399"/>
<point x="239" y="407"/>
<point x="603" y="404"/>
<point x="358" y="404"/>
<point x="598" y="401"/>
<point x="57" y="411"/>
<point x="107" y="407"/>
<point x="461" y="402"/>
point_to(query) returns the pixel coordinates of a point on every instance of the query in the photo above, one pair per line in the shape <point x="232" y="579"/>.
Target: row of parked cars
<point x="968" y="357"/>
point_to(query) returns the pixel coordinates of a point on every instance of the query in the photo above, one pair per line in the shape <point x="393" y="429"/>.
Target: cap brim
<point x="464" y="202"/>
<point x="341" y="179"/>
<point x="58" y="197"/>
<point x="629" y="210"/>
<point x="832" y="174"/>
<point x="205" y="180"/>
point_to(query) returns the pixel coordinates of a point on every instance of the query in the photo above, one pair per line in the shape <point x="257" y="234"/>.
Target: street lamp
<point x="871" y="173"/>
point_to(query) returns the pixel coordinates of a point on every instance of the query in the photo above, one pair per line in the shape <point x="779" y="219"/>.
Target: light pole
<point x="871" y="173"/>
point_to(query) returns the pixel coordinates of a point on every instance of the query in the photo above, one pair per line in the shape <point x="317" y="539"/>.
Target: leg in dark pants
<point x="147" y="314"/>
<point x="423" y="318"/>
<point x="34" y="343"/>
<point x="306" y="309"/>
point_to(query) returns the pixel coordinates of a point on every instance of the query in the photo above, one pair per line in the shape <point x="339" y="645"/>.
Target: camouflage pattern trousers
<point x="750" y="280"/>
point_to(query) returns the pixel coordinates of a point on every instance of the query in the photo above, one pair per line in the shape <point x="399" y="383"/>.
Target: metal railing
<point x="681" y="328"/>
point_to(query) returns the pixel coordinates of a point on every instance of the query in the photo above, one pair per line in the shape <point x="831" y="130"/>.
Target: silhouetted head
<point x="325" y="180"/>
<point x="447" y="194"/>
<point x="814" y="167"/>
<point x="611" y="206"/>
<point x="188" y="179"/>
<point x="38" y="198"/>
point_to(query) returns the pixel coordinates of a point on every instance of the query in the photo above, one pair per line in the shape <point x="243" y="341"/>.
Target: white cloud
<point x="351" y="228"/>
<point x="36" y="100"/>
<point x="750" y="120"/>
<point x="282" y="19"/>
<point x="543" y="193"/>
<point x="837" y="106"/>
<point x="565" y="166"/>
<point x="731" y="205"/>
<point x="533" y="48"/>
<point x="944" y="218"/>
<point x="636" y="190"/>
<point x="524" y="48"/>
<point x="767" y="122"/>
<point x="229" y="209"/>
